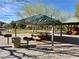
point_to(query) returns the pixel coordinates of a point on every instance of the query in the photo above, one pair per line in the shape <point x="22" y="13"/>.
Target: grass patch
<point x="25" y="31"/>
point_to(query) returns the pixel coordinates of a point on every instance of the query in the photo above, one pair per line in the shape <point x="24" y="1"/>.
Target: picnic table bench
<point x="36" y="37"/>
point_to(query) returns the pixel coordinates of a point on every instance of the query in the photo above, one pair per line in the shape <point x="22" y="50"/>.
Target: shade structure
<point x="72" y="25"/>
<point x="40" y="20"/>
<point x="72" y="20"/>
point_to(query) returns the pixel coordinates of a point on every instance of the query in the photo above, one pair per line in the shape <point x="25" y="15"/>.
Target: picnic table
<point x="37" y="36"/>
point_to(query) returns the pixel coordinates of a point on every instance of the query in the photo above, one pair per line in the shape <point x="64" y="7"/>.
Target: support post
<point x="33" y="28"/>
<point x="68" y="28"/>
<point x="52" y="39"/>
<point x="15" y="29"/>
<point x="61" y="30"/>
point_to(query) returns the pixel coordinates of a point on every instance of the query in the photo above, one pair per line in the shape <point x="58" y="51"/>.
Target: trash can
<point x="16" y="42"/>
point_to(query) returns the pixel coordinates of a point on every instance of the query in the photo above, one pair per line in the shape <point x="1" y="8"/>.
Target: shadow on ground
<point x="46" y="50"/>
<point x="65" y="39"/>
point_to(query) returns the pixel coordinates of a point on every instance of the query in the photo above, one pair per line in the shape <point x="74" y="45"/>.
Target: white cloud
<point x="8" y="10"/>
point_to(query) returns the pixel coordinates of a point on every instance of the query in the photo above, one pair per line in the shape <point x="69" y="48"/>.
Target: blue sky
<point x="9" y="8"/>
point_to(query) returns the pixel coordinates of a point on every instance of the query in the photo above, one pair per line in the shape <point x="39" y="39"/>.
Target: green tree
<point x="77" y="11"/>
<point x="36" y="9"/>
<point x="21" y="25"/>
<point x="12" y="24"/>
